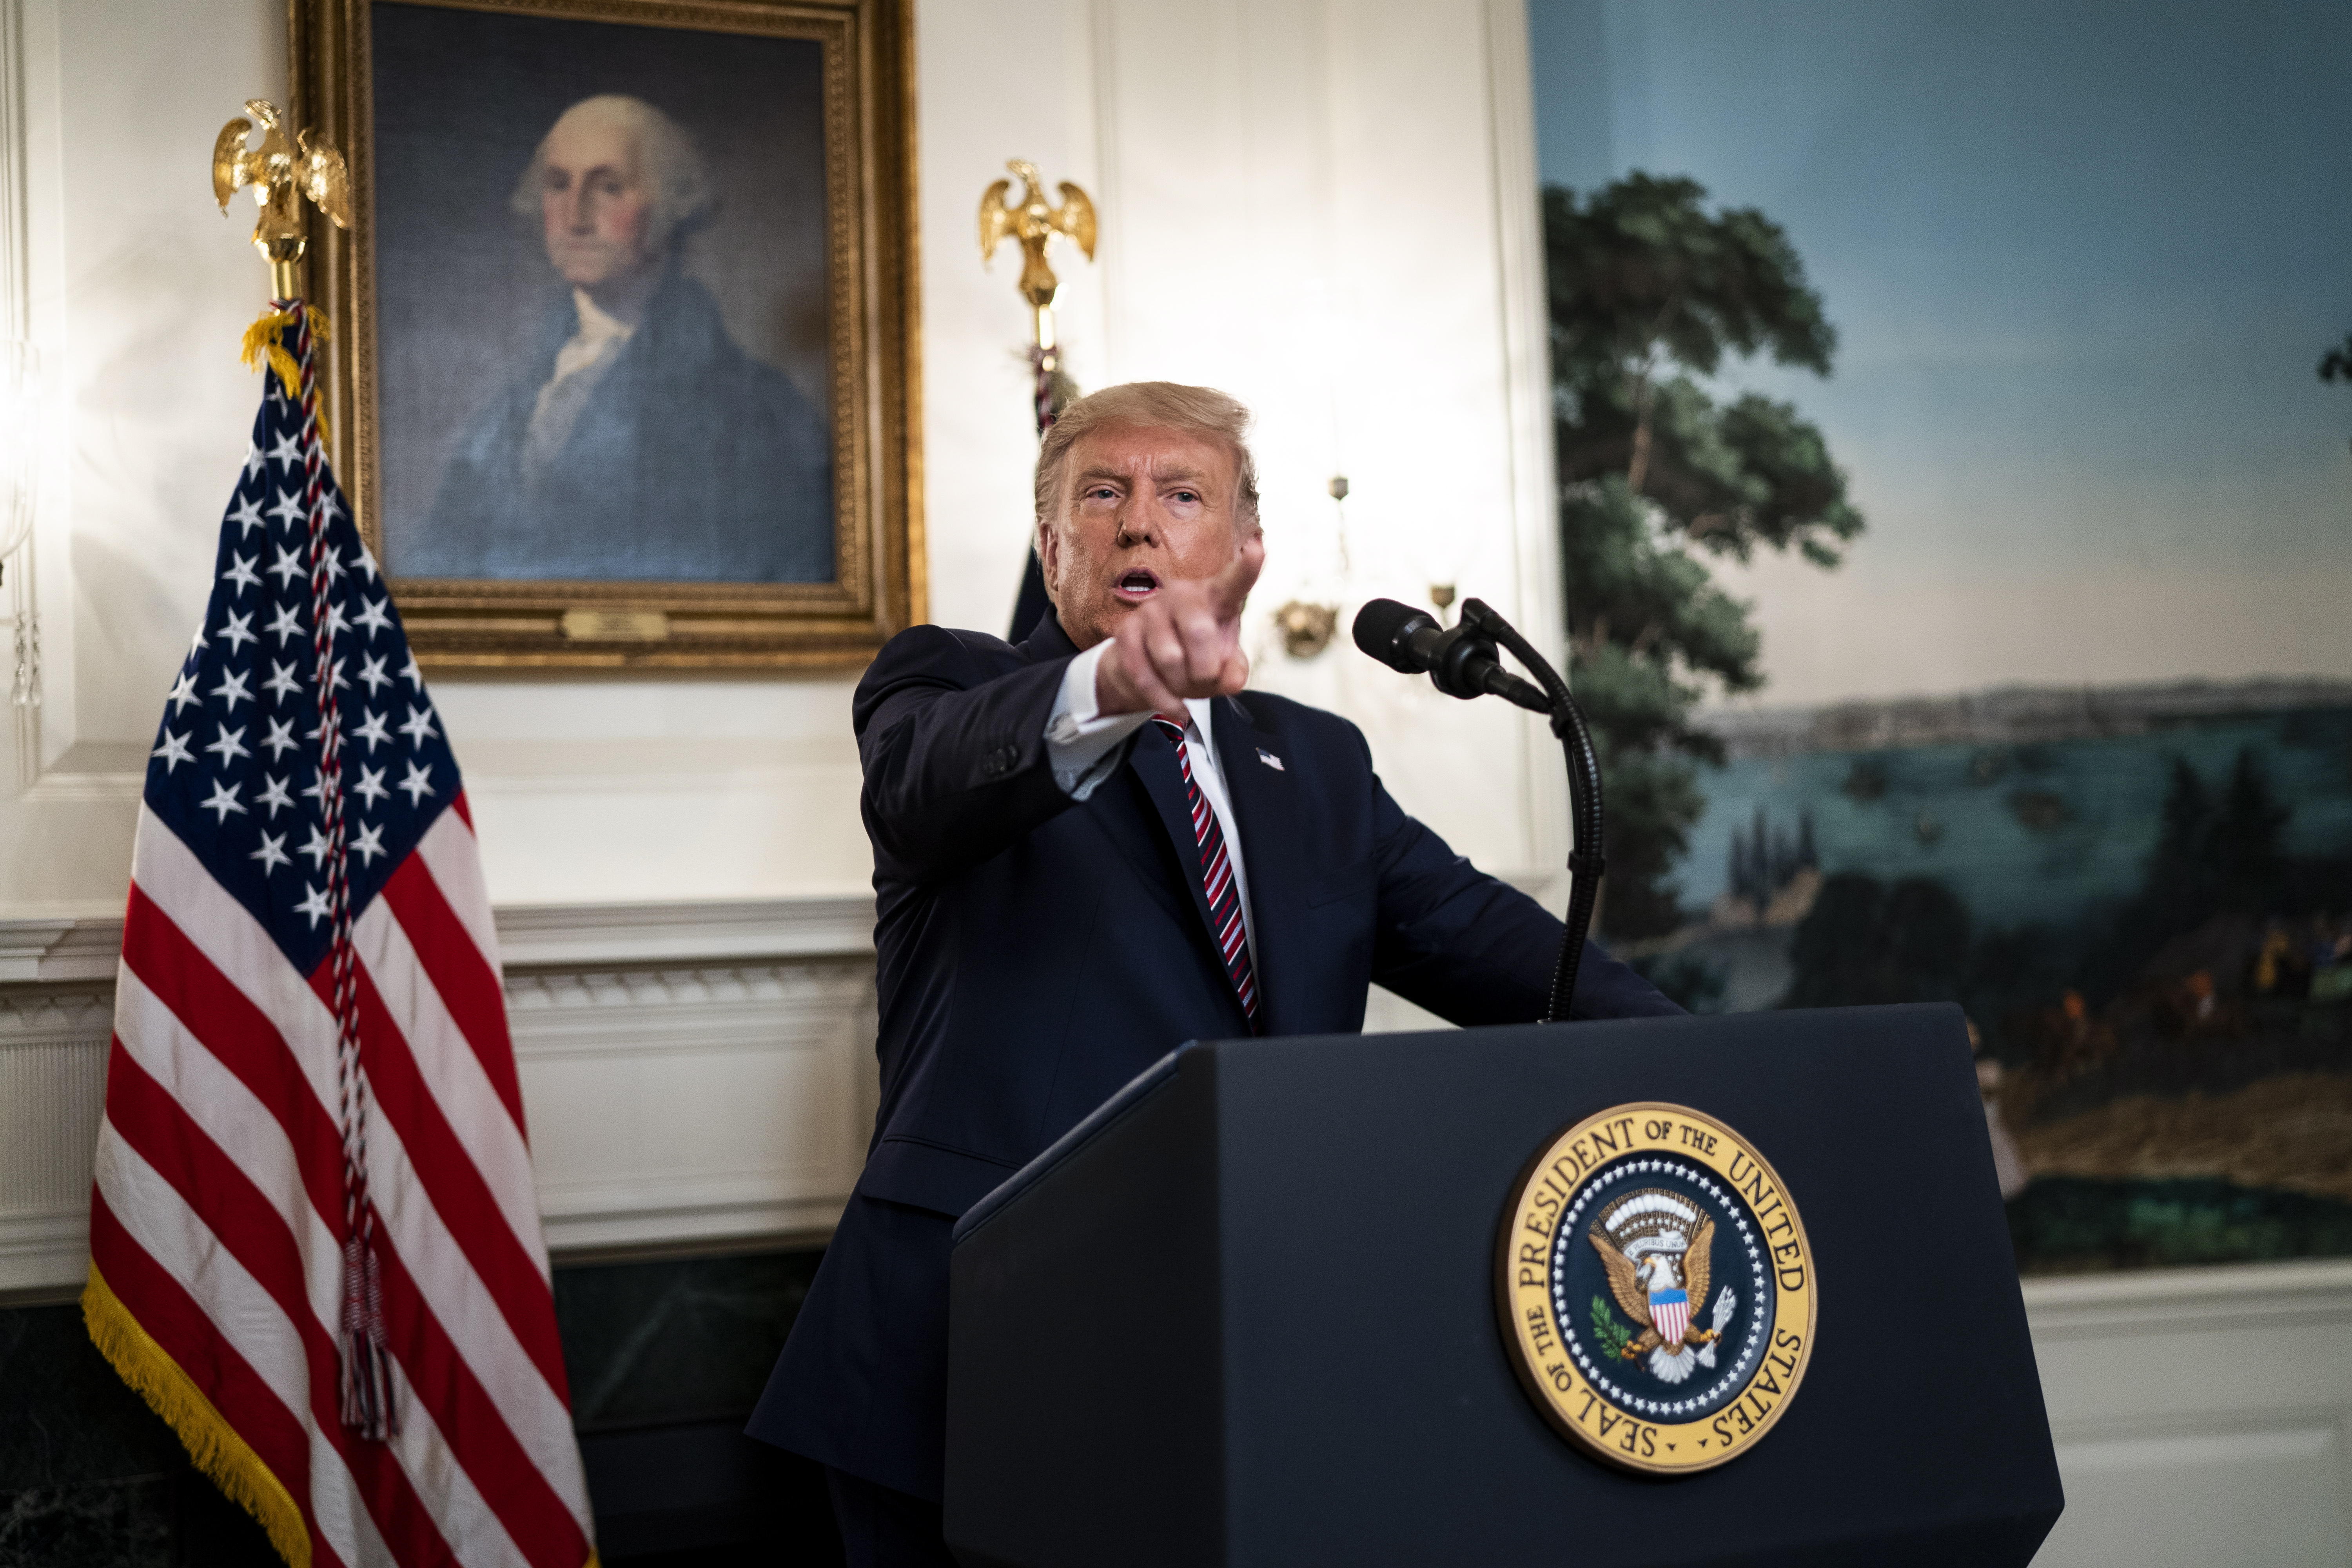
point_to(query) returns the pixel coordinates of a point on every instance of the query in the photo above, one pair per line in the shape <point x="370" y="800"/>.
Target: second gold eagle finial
<point x="1034" y="221"/>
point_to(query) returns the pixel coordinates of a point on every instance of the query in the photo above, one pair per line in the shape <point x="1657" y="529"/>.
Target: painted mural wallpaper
<point x="1957" y="511"/>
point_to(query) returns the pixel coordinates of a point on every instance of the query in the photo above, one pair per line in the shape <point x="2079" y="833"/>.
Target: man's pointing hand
<point x="1184" y="641"/>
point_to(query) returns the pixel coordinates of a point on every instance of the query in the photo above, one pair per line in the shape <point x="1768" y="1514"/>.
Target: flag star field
<point x="235" y="769"/>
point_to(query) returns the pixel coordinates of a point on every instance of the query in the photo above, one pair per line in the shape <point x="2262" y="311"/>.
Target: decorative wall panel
<point x="674" y="1106"/>
<point x="52" y="1093"/>
<point x="2201" y="1415"/>
<point x="695" y="1076"/>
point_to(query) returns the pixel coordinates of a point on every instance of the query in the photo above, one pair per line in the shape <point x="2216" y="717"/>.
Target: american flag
<point x="315" y="1245"/>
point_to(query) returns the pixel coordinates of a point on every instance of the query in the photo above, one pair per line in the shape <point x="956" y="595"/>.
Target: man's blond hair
<point x="1151" y="405"/>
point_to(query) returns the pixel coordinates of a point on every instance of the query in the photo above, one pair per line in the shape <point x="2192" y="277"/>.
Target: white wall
<point x="1302" y="201"/>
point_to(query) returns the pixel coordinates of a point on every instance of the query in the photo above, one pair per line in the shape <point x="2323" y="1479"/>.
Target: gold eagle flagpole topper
<point x="280" y="170"/>
<point x="1036" y="222"/>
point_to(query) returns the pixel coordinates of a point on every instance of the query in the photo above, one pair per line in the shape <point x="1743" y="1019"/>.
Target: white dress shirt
<point x="1085" y="746"/>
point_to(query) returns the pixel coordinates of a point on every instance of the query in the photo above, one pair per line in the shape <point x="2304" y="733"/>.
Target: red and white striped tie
<point x="1216" y="878"/>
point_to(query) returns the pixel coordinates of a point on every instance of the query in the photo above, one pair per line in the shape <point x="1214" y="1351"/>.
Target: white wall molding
<point x="52" y="949"/>
<point x="2196" y="1300"/>
<point x="52" y="1092"/>
<point x="560" y="1014"/>
<point x="695" y="1074"/>
<point x="664" y="931"/>
<point x="2201" y="1415"/>
<point x="20" y="647"/>
<point x="1526" y="331"/>
<point x="675" y="1105"/>
<point x="15" y="311"/>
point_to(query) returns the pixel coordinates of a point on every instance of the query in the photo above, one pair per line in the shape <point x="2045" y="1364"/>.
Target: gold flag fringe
<point x="269" y="337"/>
<point x="210" y="1440"/>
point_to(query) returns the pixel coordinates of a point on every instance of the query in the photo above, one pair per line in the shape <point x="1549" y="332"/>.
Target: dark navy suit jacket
<point x="1034" y="952"/>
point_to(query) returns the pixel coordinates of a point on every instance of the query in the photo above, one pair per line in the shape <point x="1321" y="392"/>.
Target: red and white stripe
<point x="219" y="1203"/>
<point x="1671" y="1317"/>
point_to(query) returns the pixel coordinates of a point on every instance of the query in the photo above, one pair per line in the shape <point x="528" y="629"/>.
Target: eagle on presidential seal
<point x="1657" y="1247"/>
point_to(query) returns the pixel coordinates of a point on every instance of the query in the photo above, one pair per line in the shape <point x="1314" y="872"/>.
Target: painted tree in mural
<point x="1650" y="294"/>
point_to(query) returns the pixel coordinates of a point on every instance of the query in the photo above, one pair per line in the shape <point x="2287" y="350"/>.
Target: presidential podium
<point x="1247" y="1312"/>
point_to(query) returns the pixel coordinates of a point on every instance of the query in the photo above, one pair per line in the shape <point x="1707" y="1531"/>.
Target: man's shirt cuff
<point x="1082" y="745"/>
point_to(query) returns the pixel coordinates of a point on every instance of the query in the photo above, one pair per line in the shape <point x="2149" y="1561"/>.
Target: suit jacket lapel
<point x="1152" y="761"/>
<point x="1265" y="809"/>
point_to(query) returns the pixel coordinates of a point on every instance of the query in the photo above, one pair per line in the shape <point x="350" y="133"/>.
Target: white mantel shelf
<point x="65" y="948"/>
<point x="59" y="948"/>
<point x="837" y="925"/>
<point x="2249" y="1297"/>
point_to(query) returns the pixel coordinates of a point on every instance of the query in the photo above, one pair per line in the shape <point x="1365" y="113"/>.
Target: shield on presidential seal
<point x="1670" y="1314"/>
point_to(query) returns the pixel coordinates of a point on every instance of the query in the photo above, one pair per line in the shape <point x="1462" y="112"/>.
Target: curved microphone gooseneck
<point x="1462" y="662"/>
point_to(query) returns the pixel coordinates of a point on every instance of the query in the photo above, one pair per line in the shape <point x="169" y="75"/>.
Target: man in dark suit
<point x="1090" y="849"/>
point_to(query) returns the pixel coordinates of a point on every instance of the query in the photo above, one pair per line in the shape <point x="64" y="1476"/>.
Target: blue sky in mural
<point x="2083" y="258"/>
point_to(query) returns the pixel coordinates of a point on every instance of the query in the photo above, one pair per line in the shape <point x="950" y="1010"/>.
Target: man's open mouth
<point x="1134" y="587"/>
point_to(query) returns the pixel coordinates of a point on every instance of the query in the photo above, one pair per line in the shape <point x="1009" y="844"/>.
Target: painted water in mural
<point x="2143" y="899"/>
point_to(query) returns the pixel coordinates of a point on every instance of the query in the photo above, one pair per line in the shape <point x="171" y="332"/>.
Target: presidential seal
<point x="1656" y="1290"/>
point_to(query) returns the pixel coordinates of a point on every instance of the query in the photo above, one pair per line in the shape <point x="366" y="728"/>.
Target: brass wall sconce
<point x="1306" y="629"/>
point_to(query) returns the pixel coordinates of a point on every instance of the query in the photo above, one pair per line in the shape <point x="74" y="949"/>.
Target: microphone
<point x="1403" y="638"/>
<point x="1461" y="662"/>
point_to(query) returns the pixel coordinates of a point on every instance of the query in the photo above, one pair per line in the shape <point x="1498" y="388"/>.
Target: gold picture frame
<point x="865" y="349"/>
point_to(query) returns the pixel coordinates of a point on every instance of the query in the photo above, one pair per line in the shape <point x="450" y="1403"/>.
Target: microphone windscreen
<point x="1381" y="628"/>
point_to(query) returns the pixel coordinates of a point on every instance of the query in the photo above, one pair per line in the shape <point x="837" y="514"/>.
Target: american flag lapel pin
<point x="1269" y="759"/>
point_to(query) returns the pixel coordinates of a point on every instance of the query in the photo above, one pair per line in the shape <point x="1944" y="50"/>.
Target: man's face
<point x="596" y="203"/>
<point x="1138" y="508"/>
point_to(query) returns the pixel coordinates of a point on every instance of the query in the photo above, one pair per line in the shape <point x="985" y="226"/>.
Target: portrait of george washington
<point x="609" y="363"/>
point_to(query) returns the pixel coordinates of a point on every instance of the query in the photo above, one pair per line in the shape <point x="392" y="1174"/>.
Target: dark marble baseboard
<point x="676" y="1340"/>
<point x="126" y="1521"/>
<point x="666" y="1360"/>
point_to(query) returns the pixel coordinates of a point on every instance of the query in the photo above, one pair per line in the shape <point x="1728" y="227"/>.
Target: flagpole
<point x="367" y="1384"/>
<point x="1036" y="222"/>
<point x="279" y="173"/>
